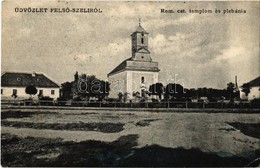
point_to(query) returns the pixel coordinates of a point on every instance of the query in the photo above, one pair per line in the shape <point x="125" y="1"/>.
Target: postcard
<point x="130" y="83"/>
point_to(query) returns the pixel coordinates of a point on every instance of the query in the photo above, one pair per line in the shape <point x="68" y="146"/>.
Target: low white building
<point x="13" y="85"/>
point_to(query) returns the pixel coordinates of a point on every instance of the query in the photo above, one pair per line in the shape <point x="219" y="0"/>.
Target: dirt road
<point x="228" y="136"/>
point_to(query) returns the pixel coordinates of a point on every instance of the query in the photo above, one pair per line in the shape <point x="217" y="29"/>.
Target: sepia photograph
<point x="130" y="83"/>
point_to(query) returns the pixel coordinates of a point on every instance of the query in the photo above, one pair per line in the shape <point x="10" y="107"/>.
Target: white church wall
<point x="135" y="84"/>
<point x="142" y="56"/>
<point x="117" y="84"/>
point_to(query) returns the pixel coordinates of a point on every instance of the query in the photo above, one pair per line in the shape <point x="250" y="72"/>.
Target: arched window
<point x="142" y="79"/>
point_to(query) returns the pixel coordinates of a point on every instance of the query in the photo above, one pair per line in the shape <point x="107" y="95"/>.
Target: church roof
<point x="130" y="64"/>
<point x="143" y="49"/>
<point x="140" y="29"/>
<point x="120" y="67"/>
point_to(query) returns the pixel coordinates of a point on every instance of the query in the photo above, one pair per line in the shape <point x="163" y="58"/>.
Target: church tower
<point x="140" y="44"/>
<point x="135" y="74"/>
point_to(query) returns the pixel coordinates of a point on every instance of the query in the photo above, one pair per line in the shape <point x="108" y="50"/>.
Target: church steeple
<point x="140" y="43"/>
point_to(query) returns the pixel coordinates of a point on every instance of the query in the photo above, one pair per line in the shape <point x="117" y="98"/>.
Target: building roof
<point x="120" y="67"/>
<point x="143" y="50"/>
<point x="18" y="79"/>
<point x="134" y="65"/>
<point x="255" y="82"/>
<point x="140" y="29"/>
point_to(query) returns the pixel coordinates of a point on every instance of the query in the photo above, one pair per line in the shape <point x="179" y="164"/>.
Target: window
<point x="52" y="92"/>
<point x="40" y="92"/>
<point x="2" y="91"/>
<point x="142" y="79"/>
<point x="14" y="91"/>
<point x="142" y="38"/>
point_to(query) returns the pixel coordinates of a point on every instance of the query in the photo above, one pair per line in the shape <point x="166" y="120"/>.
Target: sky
<point x="196" y="50"/>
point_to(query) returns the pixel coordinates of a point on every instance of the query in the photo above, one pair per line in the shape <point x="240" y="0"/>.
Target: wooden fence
<point x="165" y="104"/>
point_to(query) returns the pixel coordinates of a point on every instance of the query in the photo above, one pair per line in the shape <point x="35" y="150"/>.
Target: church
<point x="134" y="75"/>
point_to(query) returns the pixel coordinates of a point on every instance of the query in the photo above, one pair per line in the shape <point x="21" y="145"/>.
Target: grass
<point x="100" y="127"/>
<point x="249" y="129"/>
<point x="146" y="122"/>
<point x="19" y="114"/>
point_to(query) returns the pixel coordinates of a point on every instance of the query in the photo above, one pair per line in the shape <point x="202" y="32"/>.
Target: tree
<point x="192" y="93"/>
<point x="230" y="90"/>
<point x="157" y="89"/>
<point x="76" y="76"/>
<point x="231" y="86"/>
<point x="174" y="90"/>
<point x="86" y="86"/>
<point x="31" y="90"/>
<point x="100" y="89"/>
<point x="125" y="96"/>
<point x="136" y="95"/>
<point x="246" y="88"/>
<point x="120" y="96"/>
<point x="66" y="90"/>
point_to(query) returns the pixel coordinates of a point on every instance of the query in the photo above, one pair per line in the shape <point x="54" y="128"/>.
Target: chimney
<point x="236" y="82"/>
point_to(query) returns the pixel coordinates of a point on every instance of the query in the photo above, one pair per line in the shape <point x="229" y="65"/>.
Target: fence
<point x="165" y="104"/>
